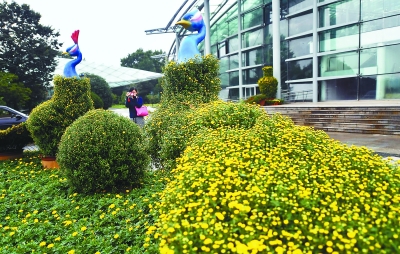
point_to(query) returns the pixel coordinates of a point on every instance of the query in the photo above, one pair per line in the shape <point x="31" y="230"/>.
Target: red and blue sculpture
<point x="69" y="69"/>
<point x="191" y="21"/>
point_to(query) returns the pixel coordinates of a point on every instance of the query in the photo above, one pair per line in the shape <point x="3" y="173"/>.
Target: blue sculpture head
<point x="69" y="69"/>
<point x="192" y="21"/>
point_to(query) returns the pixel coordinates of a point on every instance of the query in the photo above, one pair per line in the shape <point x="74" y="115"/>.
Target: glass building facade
<point x="338" y="50"/>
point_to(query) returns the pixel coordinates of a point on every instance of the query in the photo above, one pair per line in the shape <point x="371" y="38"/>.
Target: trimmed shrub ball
<point x="102" y="151"/>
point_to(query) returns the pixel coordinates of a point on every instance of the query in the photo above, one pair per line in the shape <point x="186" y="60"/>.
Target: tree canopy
<point x="27" y="49"/>
<point x="13" y="94"/>
<point x="143" y="60"/>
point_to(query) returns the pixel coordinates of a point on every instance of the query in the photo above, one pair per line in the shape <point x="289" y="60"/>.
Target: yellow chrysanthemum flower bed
<point x="278" y="188"/>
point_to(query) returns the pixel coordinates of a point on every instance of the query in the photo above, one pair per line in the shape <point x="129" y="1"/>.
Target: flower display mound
<point x="295" y="190"/>
<point x="103" y="151"/>
<point x="196" y="80"/>
<point x="48" y="121"/>
<point x="212" y="115"/>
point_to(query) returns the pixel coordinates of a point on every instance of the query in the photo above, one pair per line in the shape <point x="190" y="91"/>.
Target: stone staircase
<point x="361" y="119"/>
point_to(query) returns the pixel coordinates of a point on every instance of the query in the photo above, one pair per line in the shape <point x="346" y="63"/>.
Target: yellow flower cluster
<point x="279" y="188"/>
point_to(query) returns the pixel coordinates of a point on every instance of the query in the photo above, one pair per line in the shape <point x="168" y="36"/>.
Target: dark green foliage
<point x="28" y="49"/>
<point x="186" y="86"/>
<point x="14" y="94"/>
<point x="14" y="138"/>
<point x="48" y="121"/>
<point x="268" y="84"/>
<point x="256" y="98"/>
<point x="103" y="151"/>
<point x="99" y="86"/>
<point x="97" y="102"/>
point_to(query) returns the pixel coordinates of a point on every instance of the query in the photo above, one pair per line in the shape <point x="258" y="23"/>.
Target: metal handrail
<point x="289" y="96"/>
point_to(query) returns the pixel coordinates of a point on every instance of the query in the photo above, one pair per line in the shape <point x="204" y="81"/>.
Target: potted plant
<point x="48" y="121"/>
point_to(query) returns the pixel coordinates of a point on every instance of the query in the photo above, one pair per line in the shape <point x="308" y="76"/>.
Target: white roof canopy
<point x="114" y="75"/>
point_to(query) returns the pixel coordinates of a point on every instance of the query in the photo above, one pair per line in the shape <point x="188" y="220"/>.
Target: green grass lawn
<point x="39" y="214"/>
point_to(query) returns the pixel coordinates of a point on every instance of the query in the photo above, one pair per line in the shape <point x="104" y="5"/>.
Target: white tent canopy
<point x="115" y="76"/>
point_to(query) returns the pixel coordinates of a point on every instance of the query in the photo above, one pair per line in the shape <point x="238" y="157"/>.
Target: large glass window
<point x="300" y="24"/>
<point x="252" y="38"/>
<point x="251" y="76"/>
<point x="224" y="77"/>
<point x="233" y="94"/>
<point x="300" y="47"/>
<point x="380" y="60"/>
<point x="249" y="4"/>
<point x="268" y="34"/>
<point x="253" y="18"/>
<point x="221" y="49"/>
<point x="339" y="13"/>
<point x="252" y="57"/>
<point x="300" y="69"/>
<point x="373" y="9"/>
<point x="233" y="44"/>
<point x="223" y="64"/>
<point x="233" y="61"/>
<point x="338" y="65"/>
<point x="338" y="89"/>
<point x="339" y="38"/>
<point x="233" y="27"/>
<point x="268" y="54"/>
<point x="223" y="29"/>
<point x="234" y="78"/>
<point x="380" y="32"/>
<point x="214" y="34"/>
<point x="297" y="5"/>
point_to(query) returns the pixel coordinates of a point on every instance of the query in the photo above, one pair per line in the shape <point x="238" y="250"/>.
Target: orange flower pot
<point x="49" y="162"/>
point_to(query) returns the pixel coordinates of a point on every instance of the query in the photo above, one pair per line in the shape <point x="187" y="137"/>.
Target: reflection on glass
<point x="251" y="76"/>
<point x="233" y="44"/>
<point x="283" y="28"/>
<point x="380" y="32"/>
<point x="233" y="61"/>
<point x="380" y="87"/>
<point x="339" y="38"/>
<point x="252" y="57"/>
<point x="234" y="78"/>
<point x="301" y="47"/>
<point x="268" y="34"/>
<point x="214" y="50"/>
<point x="372" y="9"/>
<point x="232" y="27"/>
<point x="249" y="4"/>
<point x="232" y="12"/>
<point x="300" y="69"/>
<point x="221" y="49"/>
<point x="339" y="13"/>
<point x="253" y="18"/>
<point x="338" y="64"/>
<point x="214" y="34"/>
<point x="252" y="38"/>
<point x="300" y="24"/>
<point x="268" y="55"/>
<point x="380" y="60"/>
<point x="338" y="89"/>
<point x="223" y="64"/>
<point x="224" y="79"/>
<point x="297" y="5"/>
<point x="367" y="90"/>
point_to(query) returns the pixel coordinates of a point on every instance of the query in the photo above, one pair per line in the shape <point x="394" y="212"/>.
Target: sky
<point x="109" y="29"/>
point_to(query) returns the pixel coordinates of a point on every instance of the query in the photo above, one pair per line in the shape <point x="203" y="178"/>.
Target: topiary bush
<point x="48" y="121"/>
<point x="103" y="151"/>
<point x="213" y="115"/>
<point x="269" y="189"/>
<point x="14" y="138"/>
<point x="268" y="84"/>
<point x="192" y="82"/>
<point x="97" y="101"/>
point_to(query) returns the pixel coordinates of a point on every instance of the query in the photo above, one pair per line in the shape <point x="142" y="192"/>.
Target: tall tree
<point x="14" y="94"/>
<point x="27" y="49"/>
<point x="143" y="60"/>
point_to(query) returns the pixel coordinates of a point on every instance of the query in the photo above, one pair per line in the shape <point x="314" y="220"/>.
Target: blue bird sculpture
<point x="191" y="21"/>
<point x="69" y="69"/>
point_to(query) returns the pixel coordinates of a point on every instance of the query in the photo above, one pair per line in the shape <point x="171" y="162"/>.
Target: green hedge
<point x="48" y="121"/>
